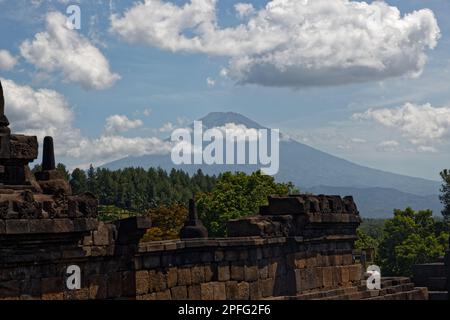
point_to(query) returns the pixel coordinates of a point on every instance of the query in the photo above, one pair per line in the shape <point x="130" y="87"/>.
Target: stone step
<point x="327" y="293"/>
<point x="415" y="294"/>
<point x="366" y="294"/>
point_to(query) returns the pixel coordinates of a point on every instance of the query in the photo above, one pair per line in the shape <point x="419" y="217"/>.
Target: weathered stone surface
<point x="223" y="272"/>
<point x="198" y="274"/>
<point x="184" y="276"/>
<point x="237" y="271"/>
<point x="179" y="293"/>
<point x="195" y="292"/>
<point x="251" y="273"/>
<point x="219" y="290"/>
<point x="207" y="291"/>
<point x="142" y="282"/>
<point x="172" y="277"/>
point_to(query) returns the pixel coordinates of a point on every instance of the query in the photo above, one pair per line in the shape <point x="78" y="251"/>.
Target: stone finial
<point x="48" y="156"/>
<point x="4" y="123"/>
<point x="193" y="228"/>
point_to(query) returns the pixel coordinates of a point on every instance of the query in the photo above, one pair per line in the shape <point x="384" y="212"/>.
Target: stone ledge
<point x="46" y="226"/>
<point x="171" y="245"/>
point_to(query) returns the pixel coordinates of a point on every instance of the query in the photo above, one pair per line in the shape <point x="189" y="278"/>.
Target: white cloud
<point x="424" y="125"/>
<point x="210" y="82"/>
<point x="7" y="61"/>
<point x="43" y="112"/>
<point x="59" y="49"/>
<point x="244" y="9"/>
<point x="31" y="110"/>
<point x="167" y="127"/>
<point x="388" y="146"/>
<point x="289" y="42"/>
<point x="357" y="140"/>
<point x="112" y="147"/>
<point x="120" y="123"/>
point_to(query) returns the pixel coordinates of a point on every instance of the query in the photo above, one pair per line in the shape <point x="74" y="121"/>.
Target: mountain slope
<point x="308" y="168"/>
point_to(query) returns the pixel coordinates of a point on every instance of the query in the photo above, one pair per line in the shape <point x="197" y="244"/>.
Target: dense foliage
<point x="411" y="237"/>
<point x="138" y="190"/>
<point x="237" y="195"/>
<point x="445" y="193"/>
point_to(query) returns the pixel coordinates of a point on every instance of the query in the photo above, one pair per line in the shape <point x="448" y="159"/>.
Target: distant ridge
<point x="310" y="169"/>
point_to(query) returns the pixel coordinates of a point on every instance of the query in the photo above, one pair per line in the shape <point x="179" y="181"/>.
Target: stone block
<point x="57" y="296"/>
<point x="263" y="272"/>
<point x="63" y="226"/>
<point x="41" y="226"/>
<point x="232" y="290"/>
<point x="142" y="282"/>
<point x="345" y="275"/>
<point x="17" y="226"/>
<point x="267" y="286"/>
<point x="210" y="272"/>
<point x="97" y="287"/>
<point x="172" y="277"/>
<point x="355" y="272"/>
<point x="327" y="273"/>
<point x="237" y="271"/>
<point x="164" y="295"/>
<point x="207" y="291"/>
<point x="254" y="291"/>
<point x="251" y="273"/>
<point x="157" y="281"/>
<point x="194" y="292"/>
<point x="81" y="294"/>
<point x="219" y="291"/>
<point x="184" y="276"/>
<point x="197" y="274"/>
<point x="243" y="291"/>
<point x="223" y="272"/>
<point x="179" y="293"/>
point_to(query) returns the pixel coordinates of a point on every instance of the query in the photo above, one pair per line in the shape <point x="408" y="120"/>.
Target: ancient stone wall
<point x="233" y="268"/>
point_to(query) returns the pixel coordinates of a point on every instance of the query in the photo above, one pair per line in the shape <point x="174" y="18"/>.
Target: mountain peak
<point x="219" y="119"/>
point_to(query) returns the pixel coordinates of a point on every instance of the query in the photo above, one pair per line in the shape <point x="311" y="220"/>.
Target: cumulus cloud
<point x="112" y="147"/>
<point x="244" y="9"/>
<point x="388" y="146"/>
<point x="40" y="111"/>
<point x="7" y="61"/>
<point x="43" y="112"/>
<point x="121" y="123"/>
<point x="424" y="125"/>
<point x="210" y="82"/>
<point x="289" y="42"/>
<point x="60" y="49"/>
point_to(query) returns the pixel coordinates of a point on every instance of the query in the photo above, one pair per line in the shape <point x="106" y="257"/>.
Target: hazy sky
<point x="366" y="81"/>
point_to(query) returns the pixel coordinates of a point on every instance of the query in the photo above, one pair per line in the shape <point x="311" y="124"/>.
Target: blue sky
<point x="150" y="85"/>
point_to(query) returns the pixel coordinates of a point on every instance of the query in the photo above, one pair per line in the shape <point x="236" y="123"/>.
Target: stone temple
<point x="299" y="247"/>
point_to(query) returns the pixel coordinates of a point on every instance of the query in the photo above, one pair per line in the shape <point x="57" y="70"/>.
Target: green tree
<point x="167" y="222"/>
<point x="63" y="170"/>
<point x="445" y="193"/>
<point x="237" y="195"/>
<point x="78" y="181"/>
<point x="409" y="238"/>
<point x="365" y="241"/>
<point x="92" y="180"/>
